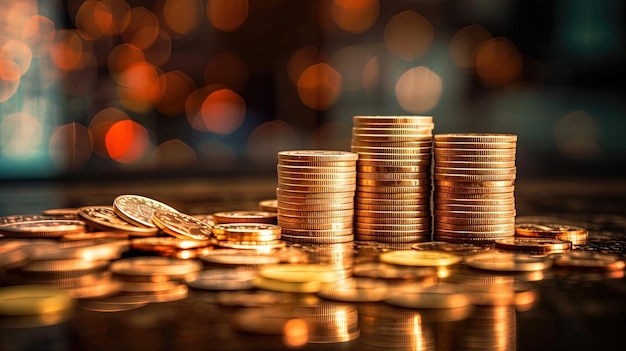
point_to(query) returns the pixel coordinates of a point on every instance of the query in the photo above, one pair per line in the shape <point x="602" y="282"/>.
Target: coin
<point x="507" y="262"/>
<point x="42" y="228"/>
<point x="318" y="240"/>
<point x="419" y="258"/>
<point x="355" y="290"/>
<point x="282" y="286"/>
<point x="149" y="266"/>
<point x="137" y="209"/>
<point x="35" y="299"/>
<point x="105" y="218"/>
<point x="245" y="217"/>
<point x="590" y="260"/>
<point x="268" y="205"/>
<point x="439" y="296"/>
<point x="537" y="246"/>
<point x="179" y="292"/>
<point x="237" y="257"/>
<point x="576" y="234"/>
<point x="298" y="273"/>
<point x="181" y="225"/>
<point x="476" y="137"/>
<point x="322" y="155"/>
<point x="247" y="231"/>
<point x="113" y="304"/>
<point x="166" y="244"/>
<point x="222" y="279"/>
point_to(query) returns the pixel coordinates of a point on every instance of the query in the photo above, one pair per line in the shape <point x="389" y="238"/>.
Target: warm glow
<point x="174" y="154"/>
<point x="81" y="81"/>
<point x="302" y="59"/>
<point x="577" y="135"/>
<point x="175" y="87"/>
<point x="70" y="146"/>
<point x="139" y="86"/>
<point x="86" y="22"/>
<point x="498" y="62"/>
<point x="182" y="16"/>
<point x="355" y="16"/>
<point x="15" y="14"/>
<point x="143" y="28"/>
<point x="319" y="86"/>
<point x="121" y="57"/>
<point x="100" y="125"/>
<point x="296" y="332"/>
<point x="331" y="136"/>
<point x="216" y="154"/>
<point x="351" y="62"/>
<point x="418" y="90"/>
<point x="409" y="35"/>
<point x="17" y="52"/>
<point x="113" y="19"/>
<point x="10" y="74"/>
<point x="69" y="51"/>
<point x="227" y="69"/>
<point x="371" y="72"/>
<point x="20" y="136"/>
<point x="38" y="34"/>
<point x="223" y="111"/>
<point x="126" y="141"/>
<point x="270" y="138"/>
<point x="227" y="15"/>
<point x="161" y="49"/>
<point x="464" y="45"/>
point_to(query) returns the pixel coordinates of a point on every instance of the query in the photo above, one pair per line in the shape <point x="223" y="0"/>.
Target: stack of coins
<point x="474" y="187"/>
<point x="392" y="202"/>
<point x="315" y="196"/>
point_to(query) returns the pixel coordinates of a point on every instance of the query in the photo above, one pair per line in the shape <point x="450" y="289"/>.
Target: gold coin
<point x="95" y="236"/>
<point x="298" y="273"/>
<point x="314" y="220"/>
<point x="245" y="217"/>
<point x="238" y="257"/>
<point x="330" y="165"/>
<point x="292" y="287"/>
<point x="507" y="261"/>
<point x="474" y="208"/>
<point x="393" y="183"/>
<point x="287" y="201"/>
<point x="316" y="226"/>
<point x="590" y="260"/>
<point x="206" y="218"/>
<point x="335" y="176"/>
<point x="66" y="213"/>
<point x="390" y="202"/>
<point x="472" y="190"/>
<point x="270" y="205"/>
<point x="416" y="162"/>
<point x="315" y="214"/>
<point x="137" y="209"/>
<point x="415" y="148"/>
<point x="475" y="221"/>
<point x="392" y="227"/>
<point x="426" y="136"/>
<point x="73" y="265"/>
<point x="148" y="286"/>
<point x="546" y="228"/>
<point x="323" y="189"/>
<point x="489" y="197"/>
<point x="367" y="157"/>
<point x="475" y="145"/>
<point x="509" y="200"/>
<point x="262" y="247"/>
<point x="102" y="250"/>
<point x="247" y="229"/>
<point x="439" y="296"/>
<point x="355" y="290"/>
<point x="458" y="249"/>
<point x="337" y="239"/>
<point x="360" y="194"/>
<point x="392" y="119"/>
<point x="334" y="170"/>
<point x="393" y="175"/>
<point x="180" y="292"/>
<point x="316" y="208"/>
<point x="391" y="220"/>
<point x="113" y="304"/>
<point x="357" y="131"/>
<point x="297" y="195"/>
<point x="418" y="127"/>
<point x="42" y="228"/>
<point x="469" y="233"/>
<point x="155" y="266"/>
<point x="469" y="170"/>
<point x="316" y="232"/>
<point x="474" y="159"/>
<point x="322" y="155"/>
<point x="222" y="279"/>
<point x="24" y="300"/>
<point x="455" y="177"/>
<point x="105" y="218"/>
<point x="440" y="164"/>
<point x="438" y="151"/>
<point x="394" y="189"/>
<point x="392" y="214"/>
<point x="401" y="208"/>
<point x="476" y="137"/>
<point x="181" y="225"/>
<point x="537" y="246"/>
<point x="421" y="167"/>
<point x="161" y="244"/>
<point x="419" y="258"/>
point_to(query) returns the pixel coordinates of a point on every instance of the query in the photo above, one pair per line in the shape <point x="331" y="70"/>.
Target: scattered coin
<point x="105" y="218"/>
<point x="537" y="246"/>
<point x="422" y="258"/>
<point x="181" y="225"/>
<point x="137" y="209"/>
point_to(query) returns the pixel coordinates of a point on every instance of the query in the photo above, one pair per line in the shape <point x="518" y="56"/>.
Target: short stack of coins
<point x="474" y="187"/>
<point x="392" y="202"/>
<point x="315" y="196"/>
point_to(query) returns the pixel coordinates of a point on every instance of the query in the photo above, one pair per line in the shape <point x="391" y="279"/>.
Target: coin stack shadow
<point x="315" y="196"/>
<point x="392" y="202"/>
<point x="474" y="177"/>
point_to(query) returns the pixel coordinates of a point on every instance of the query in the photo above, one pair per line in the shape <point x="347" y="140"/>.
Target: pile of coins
<point x="392" y="202"/>
<point x="474" y="178"/>
<point x="316" y="196"/>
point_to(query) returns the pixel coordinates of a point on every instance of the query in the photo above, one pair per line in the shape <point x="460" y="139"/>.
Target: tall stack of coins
<point x="474" y="187"/>
<point x="315" y="196"/>
<point x="392" y="202"/>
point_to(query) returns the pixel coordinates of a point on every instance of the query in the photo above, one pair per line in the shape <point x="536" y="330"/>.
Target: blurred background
<point x="130" y="88"/>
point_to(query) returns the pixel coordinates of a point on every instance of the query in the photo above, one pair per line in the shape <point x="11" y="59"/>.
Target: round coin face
<point x="138" y="209"/>
<point x="424" y="258"/>
<point x="42" y="228"/>
<point x="104" y="217"/>
<point x="534" y="245"/>
<point x="182" y="226"/>
<point x="507" y="262"/>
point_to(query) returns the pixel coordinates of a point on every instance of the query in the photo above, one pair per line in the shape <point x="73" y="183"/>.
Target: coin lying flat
<point x="269" y="205"/>
<point x="181" y="225"/>
<point x="355" y="290"/>
<point x="430" y="297"/>
<point x="576" y="234"/>
<point x="590" y="260"/>
<point x="155" y="266"/>
<point x="534" y="245"/>
<point x="245" y="217"/>
<point x="105" y="218"/>
<point x="422" y="258"/>
<point x="222" y="279"/>
<point x="137" y="209"/>
<point x="507" y="262"/>
<point x="42" y="228"/>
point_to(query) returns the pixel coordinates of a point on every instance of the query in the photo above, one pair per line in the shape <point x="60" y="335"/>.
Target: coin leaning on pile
<point x="392" y="202"/>
<point x="315" y="195"/>
<point x="474" y="177"/>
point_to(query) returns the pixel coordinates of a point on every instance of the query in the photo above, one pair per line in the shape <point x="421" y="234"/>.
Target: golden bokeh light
<point x="21" y="136"/>
<point x="296" y="332"/>
<point x="193" y="106"/>
<point x="10" y="74"/>
<point x="99" y="127"/>
<point x="38" y="34"/>
<point x="126" y="141"/>
<point x="351" y="62"/>
<point x="223" y="111"/>
<point x="15" y="14"/>
<point x="577" y="135"/>
<point x="161" y="49"/>
<point x="182" y="16"/>
<point x="139" y="87"/>
<point x="69" y="51"/>
<point x="18" y="52"/>
<point x="418" y="90"/>
<point x="465" y="43"/>
<point x="143" y="28"/>
<point x="227" y="69"/>
<point x="227" y="15"/>
<point x="87" y="17"/>
<point x="121" y="57"/>
<point x="113" y="19"/>
<point x="409" y="35"/>
<point x="269" y="138"/>
<point x="371" y="73"/>
<point x="319" y="86"/>
<point x="498" y="62"/>
<point x="302" y="59"/>
<point x="355" y="16"/>
<point x="174" y="87"/>
<point x="331" y="136"/>
<point x="70" y="146"/>
<point x="173" y="154"/>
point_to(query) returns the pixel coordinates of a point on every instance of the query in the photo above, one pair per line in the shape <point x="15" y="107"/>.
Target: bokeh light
<point x="100" y="125"/>
<point x="418" y="90"/>
<point x="464" y="45"/>
<point x="159" y="52"/>
<point x="143" y="28"/>
<point x="182" y="16"/>
<point x="302" y="59"/>
<point x="351" y="62"/>
<point x="174" y="87"/>
<point x="227" y="15"/>
<point x="409" y="35"/>
<point x="577" y="135"/>
<point x="269" y="138"/>
<point x="69" y="51"/>
<point x="70" y="146"/>
<point x="223" y="111"/>
<point x="86" y="22"/>
<point x="228" y="69"/>
<point x="319" y="86"/>
<point x="173" y="154"/>
<point x="80" y="82"/>
<point x="10" y="74"/>
<point x="38" y="34"/>
<point x="126" y="141"/>
<point x="296" y="332"/>
<point x="18" y="52"/>
<point x="21" y="136"/>
<point x="355" y="16"/>
<point x="139" y="86"/>
<point x="498" y="62"/>
<point x="121" y="57"/>
<point x="371" y="74"/>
